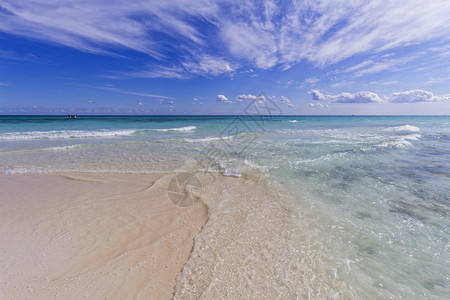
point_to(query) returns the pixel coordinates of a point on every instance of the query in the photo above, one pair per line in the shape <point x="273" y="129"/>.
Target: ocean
<point x="366" y="198"/>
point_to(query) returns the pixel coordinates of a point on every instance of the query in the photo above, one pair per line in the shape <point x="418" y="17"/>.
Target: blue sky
<point x="213" y="57"/>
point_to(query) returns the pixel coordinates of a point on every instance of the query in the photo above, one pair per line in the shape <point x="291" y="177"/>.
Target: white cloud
<point x="317" y="95"/>
<point x="10" y="55"/>
<point x="208" y="65"/>
<point x="262" y="98"/>
<point x="384" y="82"/>
<point x="260" y="34"/>
<point x="386" y="62"/>
<point x="286" y="101"/>
<point x="374" y="26"/>
<point x="222" y="98"/>
<point x="242" y="98"/>
<point x="416" y="96"/>
<point x="342" y="84"/>
<point x="196" y="101"/>
<point x="383" y="65"/>
<point x="158" y="72"/>
<point x="317" y="104"/>
<point x="359" y="97"/>
<point x="250" y="42"/>
<point x="370" y="97"/>
<point x="311" y="81"/>
<point x="434" y="80"/>
<point x="94" y="26"/>
<point x="133" y="93"/>
<point x="359" y="66"/>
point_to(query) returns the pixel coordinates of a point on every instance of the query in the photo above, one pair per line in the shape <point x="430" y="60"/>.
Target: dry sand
<point x="71" y="236"/>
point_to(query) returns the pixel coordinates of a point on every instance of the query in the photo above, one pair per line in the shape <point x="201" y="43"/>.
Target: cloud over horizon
<point x="262" y="98"/>
<point x="118" y="53"/>
<point x="359" y="97"/>
<point x="412" y="96"/>
<point x="222" y="98"/>
<point x="243" y="97"/>
<point x="416" y="96"/>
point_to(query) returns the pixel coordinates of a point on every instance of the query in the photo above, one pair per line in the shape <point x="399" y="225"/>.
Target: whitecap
<point x="23" y="170"/>
<point x="62" y="148"/>
<point x="207" y="139"/>
<point x="64" y="134"/>
<point x="403" y="128"/>
<point x="186" y="128"/>
<point x="401" y="142"/>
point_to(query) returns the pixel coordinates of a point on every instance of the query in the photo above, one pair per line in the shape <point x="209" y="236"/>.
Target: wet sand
<point x="70" y="236"/>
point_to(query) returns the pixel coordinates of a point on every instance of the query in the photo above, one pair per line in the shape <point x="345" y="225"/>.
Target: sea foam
<point x="71" y="134"/>
<point x="186" y="128"/>
<point x="208" y="139"/>
<point x="65" y="134"/>
<point x="403" y="128"/>
<point x="62" y="148"/>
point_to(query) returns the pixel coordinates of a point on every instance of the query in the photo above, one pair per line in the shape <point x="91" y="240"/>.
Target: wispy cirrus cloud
<point x="218" y="37"/>
<point x="153" y="72"/>
<point x="311" y="81"/>
<point x="434" y="80"/>
<point x="384" y="82"/>
<point x="207" y="64"/>
<point x="127" y="92"/>
<point x="10" y="55"/>
<point x="204" y="66"/>
<point x="342" y="84"/>
<point x="100" y="27"/>
<point x="386" y="62"/>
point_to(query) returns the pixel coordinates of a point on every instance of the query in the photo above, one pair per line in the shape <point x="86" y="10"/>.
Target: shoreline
<point x="69" y="235"/>
<point x="254" y="246"/>
<point x="349" y="197"/>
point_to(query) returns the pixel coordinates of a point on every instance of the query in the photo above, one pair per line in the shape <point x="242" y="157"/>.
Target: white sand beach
<point x="72" y="236"/>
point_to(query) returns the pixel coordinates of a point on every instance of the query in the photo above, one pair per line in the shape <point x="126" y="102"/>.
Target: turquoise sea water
<point x="372" y="192"/>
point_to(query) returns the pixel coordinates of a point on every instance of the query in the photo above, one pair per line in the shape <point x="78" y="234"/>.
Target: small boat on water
<point x="71" y="116"/>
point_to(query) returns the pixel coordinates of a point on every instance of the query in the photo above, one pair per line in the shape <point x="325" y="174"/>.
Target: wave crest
<point x="64" y="134"/>
<point x="403" y="128"/>
<point x="186" y="128"/>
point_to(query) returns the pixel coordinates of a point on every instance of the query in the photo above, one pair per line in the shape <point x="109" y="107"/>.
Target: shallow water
<point x="371" y="194"/>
